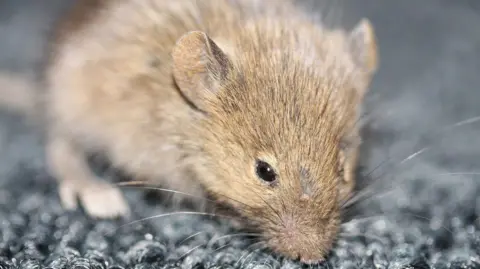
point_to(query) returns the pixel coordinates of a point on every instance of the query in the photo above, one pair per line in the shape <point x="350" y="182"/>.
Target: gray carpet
<point x="427" y="207"/>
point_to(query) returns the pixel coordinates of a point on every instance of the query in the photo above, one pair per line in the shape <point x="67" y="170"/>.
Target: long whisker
<point x="414" y="155"/>
<point x="363" y="196"/>
<point x="255" y="250"/>
<point x="189" y="237"/>
<point x="216" y="239"/>
<point x="277" y="213"/>
<point x="464" y="122"/>
<point x="357" y="198"/>
<point x="382" y="163"/>
<point x="384" y="216"/>
<point x="229" y="198"/>
<point x="231" y="235"/>
<point x="458" y="174"/>
<point x="363" y="193"/>
<point x="425" y="218"/>
<point x="220" y="247"/>
<point x="138" y="184"/>
<point x="458" y="124"/>
<point x="175" y="213"/>
<point x="188" y="252"/>
<point x="237" y="234"/>
<point x="252" y="245"/>
<point x="425" y="149"/>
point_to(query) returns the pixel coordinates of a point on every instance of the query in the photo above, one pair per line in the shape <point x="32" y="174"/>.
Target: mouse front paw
<point x="103" y="200"/>
<point x="99" y="199"/>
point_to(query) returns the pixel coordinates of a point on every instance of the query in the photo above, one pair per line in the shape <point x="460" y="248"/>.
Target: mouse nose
<point x="306" y="242"/>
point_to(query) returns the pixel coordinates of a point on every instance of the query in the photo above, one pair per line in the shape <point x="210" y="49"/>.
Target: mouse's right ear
<point x="363" y="47"/>
<point x="199" y="67"/>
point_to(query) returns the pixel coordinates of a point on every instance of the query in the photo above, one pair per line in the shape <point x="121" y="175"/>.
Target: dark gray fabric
<point x="425" y="213"/>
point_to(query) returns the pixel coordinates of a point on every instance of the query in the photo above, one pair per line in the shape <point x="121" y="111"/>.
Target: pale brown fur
<point x="192" y="93"/>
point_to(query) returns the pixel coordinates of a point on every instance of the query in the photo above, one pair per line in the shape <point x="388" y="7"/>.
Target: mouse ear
<point x="363" y="47"/>
<point x="199" y="67"/>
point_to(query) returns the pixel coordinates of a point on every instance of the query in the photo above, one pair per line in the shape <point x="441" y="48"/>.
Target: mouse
<point x="251" y="102"/>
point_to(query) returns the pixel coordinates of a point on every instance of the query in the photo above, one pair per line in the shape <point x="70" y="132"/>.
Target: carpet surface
<point x="423" y="128"/>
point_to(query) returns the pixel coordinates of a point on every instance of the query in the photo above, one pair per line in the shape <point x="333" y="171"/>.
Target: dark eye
<point x="265" y="172"/>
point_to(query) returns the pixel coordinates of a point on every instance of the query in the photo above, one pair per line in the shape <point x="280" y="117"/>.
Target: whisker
<point x="237" y="234"/>
<point x="189" y="237"/>
<point x="425" y="218"/>
<point x="219" y="248"/>
<point x="271" y="207"/>
<point x="370" y="186"/>
<point x="174" y="213"/>
<point x="231" y="235"/>
<point x="354" y="196"/>
<point x="257" y="249"/>
<point x="229" y="198"/>
<point x="252" y="245"/>
<point x="362" y="219"/>
<point x="363" y="194"/>
<point x="208" y="244"/>
<point x="427" y="148"/>
<point x="414" y="155"/>
<point x="384" y="216"/>
<point x="382" y="163"/>
<point x="464" y="122"/>
<point x="458" y="174"/>
<point x="137" y="184"/>
<point x="190" y="251"/>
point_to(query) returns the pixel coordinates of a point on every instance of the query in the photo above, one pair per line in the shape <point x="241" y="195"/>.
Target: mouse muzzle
<point x="304" y="237"/>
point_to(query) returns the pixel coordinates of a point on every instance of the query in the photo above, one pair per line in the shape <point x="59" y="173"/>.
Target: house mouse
<point x="251" y="102"/>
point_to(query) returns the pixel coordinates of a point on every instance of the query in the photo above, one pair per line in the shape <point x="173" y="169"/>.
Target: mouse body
<point x="248" y="101"/>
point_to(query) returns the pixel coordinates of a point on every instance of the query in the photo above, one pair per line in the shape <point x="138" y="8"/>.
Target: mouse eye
<point x="265" y="171"/>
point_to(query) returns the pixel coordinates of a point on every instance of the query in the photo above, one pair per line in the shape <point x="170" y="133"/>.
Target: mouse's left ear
<point x="199" y="67"/>
<point x="362" y="44"/>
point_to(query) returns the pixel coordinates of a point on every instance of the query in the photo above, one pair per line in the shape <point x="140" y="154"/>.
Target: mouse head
<point x="277" y="129"/>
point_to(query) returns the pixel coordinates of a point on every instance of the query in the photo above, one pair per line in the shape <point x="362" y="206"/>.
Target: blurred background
<point x="425" y="98"/>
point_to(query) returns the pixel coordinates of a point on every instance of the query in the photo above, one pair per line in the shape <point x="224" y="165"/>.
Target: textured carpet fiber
<point x="423" y="127"/>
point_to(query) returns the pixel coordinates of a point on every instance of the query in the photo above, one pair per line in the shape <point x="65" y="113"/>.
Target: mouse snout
<point x="305" y="240"/>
